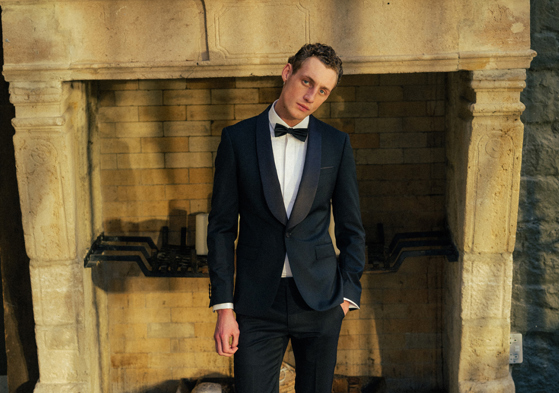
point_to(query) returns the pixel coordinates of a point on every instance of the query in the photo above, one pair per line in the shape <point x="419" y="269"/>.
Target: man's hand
<point x="226" y="334"/>
<point x="345" y="306"/>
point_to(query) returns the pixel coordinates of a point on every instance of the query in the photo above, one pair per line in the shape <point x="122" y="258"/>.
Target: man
<point x="282" y="181"/>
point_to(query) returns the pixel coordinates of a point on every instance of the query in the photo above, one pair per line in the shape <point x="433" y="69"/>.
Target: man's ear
<point x="286" y="72"/>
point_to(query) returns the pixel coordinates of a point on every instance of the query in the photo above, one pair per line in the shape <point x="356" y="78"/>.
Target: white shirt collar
<point x="274" y="119"/>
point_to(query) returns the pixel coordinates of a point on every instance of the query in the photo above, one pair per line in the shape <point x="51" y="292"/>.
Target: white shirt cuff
<point x="351" y="303"/>
<point x="222" y="306"/>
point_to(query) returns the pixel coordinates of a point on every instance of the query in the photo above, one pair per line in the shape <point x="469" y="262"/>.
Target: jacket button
<point x="287" y="234"/>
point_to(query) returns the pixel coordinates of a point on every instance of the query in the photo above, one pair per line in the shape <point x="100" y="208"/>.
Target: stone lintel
<point x="449" y="62"/>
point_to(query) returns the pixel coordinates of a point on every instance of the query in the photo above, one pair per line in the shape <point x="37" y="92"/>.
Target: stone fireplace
<point x="119" y="108"/>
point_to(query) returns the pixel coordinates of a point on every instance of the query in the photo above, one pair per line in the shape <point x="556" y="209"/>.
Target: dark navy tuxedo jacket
<point x="246" y="184"/>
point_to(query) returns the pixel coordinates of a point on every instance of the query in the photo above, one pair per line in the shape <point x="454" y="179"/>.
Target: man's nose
<point x="311" y="94"/>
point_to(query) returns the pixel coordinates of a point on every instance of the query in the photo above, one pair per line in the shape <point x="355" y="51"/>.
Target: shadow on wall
<point x="23" y="368"/>
<point x="535" y="298"/>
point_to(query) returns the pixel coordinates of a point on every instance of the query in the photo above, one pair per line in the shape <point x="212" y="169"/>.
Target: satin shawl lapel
<point x="309" y="179"/>
<point x="267" y="165"/>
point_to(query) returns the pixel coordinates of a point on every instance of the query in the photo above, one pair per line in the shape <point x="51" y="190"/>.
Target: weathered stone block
<point x="164" y="145"/>
<point x="140" y="160"/>
<point x="161" y="113"/>
<point x="187" y="128"/>
<point x="503" y="385"/>
<point x="378" y="156"/>
<point x="343" y="93"/>
<point x="139" y="315"/>
<point x="189" y="191"/>
<point x="168" y="330"/>
<point x="199" y="144"/>
<point x="188" y="160"/>
<point x="364" y="125"/>
<point x="186" y="97"/>
<point x="211" y="83"/>
<point x="364" y="141"/>
<point x="192" y="314"/>
<point x="402" y="109"/>
<point x="403" y="79"/>
<point x="415" y="156"/>
<point x="164" y="176"/>
<point x="108" y="161"/>
<point x="395" y="140"/>
<point x="138" y="97"/>
<point x="138" y="129"/>
<point x="54" y="285"/>
<point x="201" y="175"/>
<point x="380" y="93"/>
<point x="121" y="145"/>
<point x="244" y="111"/>
<point x="422" y="92"/>
<point x="234" y="96"/>
<point x="354" y="109"/>
<point x="162" y="84"/>
<point x="426" y="123"/>
<point x="118" y="114"/>
<point x="129" y="360"/>
<point x="118" y="85"/>
<point x="141" y="193"/>
<point x="210" y="112"/>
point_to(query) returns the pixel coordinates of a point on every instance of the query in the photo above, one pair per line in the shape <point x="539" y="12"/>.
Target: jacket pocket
<point x="324" y="251"/>
<point x="246" y="252"/>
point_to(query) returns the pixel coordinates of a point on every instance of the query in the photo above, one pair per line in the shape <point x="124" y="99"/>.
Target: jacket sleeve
<point x="223" y="223"/>
<point x="350" y="235"/>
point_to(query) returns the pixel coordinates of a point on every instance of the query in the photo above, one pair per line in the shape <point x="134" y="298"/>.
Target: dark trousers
<point x="263" y="341"/>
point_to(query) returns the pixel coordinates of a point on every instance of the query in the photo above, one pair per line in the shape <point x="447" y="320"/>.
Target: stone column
<point x="484" y="148"/>
<point x="50" y="149"/>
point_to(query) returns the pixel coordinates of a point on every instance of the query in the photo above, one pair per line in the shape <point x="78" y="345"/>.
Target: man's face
<point x="304" y="91"/>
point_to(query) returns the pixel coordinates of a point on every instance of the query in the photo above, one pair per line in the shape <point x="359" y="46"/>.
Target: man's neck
<point x="292" y="124"/>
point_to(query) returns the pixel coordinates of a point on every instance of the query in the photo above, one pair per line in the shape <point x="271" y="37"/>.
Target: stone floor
<point x="342" y="384"/>
<point x="3" y="384"/>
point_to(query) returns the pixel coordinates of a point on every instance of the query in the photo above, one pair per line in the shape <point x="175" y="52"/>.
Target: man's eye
<point x="306" y="82"/>
<point x="322" y="92"/>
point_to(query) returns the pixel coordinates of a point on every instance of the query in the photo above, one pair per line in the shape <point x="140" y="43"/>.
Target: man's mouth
<point x="303" y="107"/>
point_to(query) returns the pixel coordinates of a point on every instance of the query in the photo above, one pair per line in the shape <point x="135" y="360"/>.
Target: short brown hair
<point x="326" y="54"/>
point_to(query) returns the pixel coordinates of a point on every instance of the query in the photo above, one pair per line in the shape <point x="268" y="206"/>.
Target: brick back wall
<point x="158" y="142"/>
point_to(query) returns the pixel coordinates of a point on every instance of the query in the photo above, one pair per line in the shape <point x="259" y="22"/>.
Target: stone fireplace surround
<point x="53" y="48"/>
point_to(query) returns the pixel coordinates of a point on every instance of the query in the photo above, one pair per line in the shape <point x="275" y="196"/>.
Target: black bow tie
<point x="299" y="133"/>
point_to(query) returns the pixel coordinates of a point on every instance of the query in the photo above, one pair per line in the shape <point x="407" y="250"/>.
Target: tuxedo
<point x="246" y="184"/>
<point x="247" y="199"/>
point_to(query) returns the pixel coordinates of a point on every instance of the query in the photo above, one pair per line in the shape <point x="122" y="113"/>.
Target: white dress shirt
<point x="289" y="156"/>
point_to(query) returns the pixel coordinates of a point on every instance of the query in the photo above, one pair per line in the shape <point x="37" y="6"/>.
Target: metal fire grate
<point x="408" y="245"/>
<point x="170" y="261"/>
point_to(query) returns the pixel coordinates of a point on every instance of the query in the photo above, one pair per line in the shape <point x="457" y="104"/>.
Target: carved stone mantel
<point x="51" y="132"/>
<point x="138" y="39"/>
<point x="484" y="149"/>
